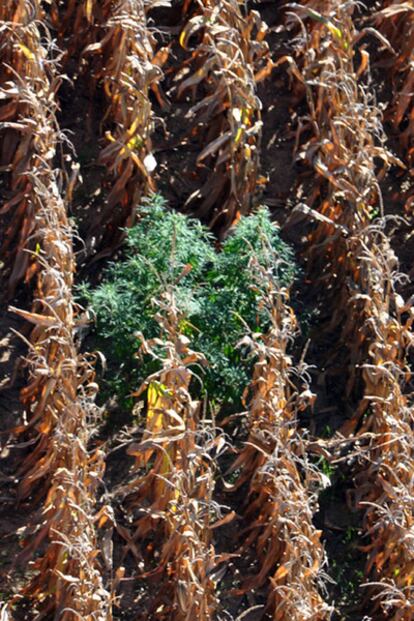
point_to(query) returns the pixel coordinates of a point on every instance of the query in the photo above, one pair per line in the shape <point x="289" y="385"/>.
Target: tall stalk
<point x="225" y="116"/>
<point x="352" y="266"/>
<point x="57" y="399"/>
<point x="172" y="495"/>
<point x="280" y="535"/>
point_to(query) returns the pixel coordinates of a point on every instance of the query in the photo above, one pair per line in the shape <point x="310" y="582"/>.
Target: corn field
<point x="225" y="430"/>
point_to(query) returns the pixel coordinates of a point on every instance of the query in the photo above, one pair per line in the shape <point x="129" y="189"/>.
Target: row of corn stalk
<point x="282" y="484"/>
<point x="223" y="48"/>
<point x="355" y="271"/>
<point x="117" y="61"/>
<point x="19" y="36"/>
<point x="58" y="469"/>
<point x="396" y="22"/>
<point x="170" y="497"/>
<point x="113" y="48"/>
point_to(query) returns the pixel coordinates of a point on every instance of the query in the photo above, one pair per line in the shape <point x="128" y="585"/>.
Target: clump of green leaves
<point x="216" y="292"/>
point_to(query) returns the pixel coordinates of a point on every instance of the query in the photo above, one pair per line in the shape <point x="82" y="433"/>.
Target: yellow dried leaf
<point x="334" y="30"/>
<point x="281" y="572"/>
<point x="28" y="53"/>
<point x="88" y="10"/>
<point x="109" y="136"/>
<point x="35" y="318"/>
<point x="182" y="38"/>
<point x="239" y="135"/>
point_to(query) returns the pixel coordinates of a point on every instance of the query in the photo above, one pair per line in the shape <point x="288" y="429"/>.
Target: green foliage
<point x="325" y="467"/>
<point x="217" y="297"/>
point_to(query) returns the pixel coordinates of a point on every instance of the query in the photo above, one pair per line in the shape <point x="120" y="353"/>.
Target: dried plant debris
<point x="370" y="323"/>
<point x="58" y="468"/>
<point x="114" y="47"/>
<point x="224" y="48"/>
<point x="171" y="494"/>
<point x="282" y="484"/>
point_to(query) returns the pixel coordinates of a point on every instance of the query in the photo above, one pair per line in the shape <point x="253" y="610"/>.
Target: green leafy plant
<point x="325" y="467"/>
<point x="215" y="292"/>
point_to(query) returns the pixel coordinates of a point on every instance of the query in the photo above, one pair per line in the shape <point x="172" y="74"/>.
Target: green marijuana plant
<point x="215" y="292"/>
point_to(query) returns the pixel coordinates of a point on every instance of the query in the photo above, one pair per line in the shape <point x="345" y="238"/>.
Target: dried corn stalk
<point x="396" y="22"/>
<point x="226" y="115"/>
<point x="172" y="493"/>
<point x="122" y="62"/>
<point x="350" y="259"/>
<point x="22" y="75"/>
<point x="57" y="468"/>
<point x="346" y="138"/>
<point x="116" y="62"/>
<point x="384" y="486"/>
<point x="77" y="25"/>
<point x="282" y="483"/>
